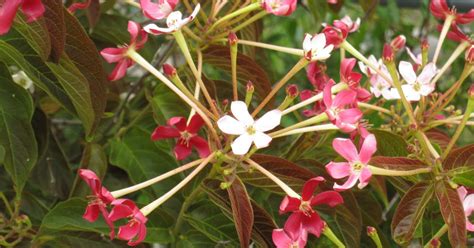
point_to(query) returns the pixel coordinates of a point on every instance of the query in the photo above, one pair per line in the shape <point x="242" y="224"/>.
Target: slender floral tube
<point x="197" y="90"/>
<point x="447" y="24"/>
<point x="289" y="50"/>
<point x="238" y="12"/>
<point x="290" y="192"/>
<point x="136" y="187"/>
<point x="311" y="121"/>
<point x="459" y="50"/>
<point x="373" y="107"/>
<point x="317" y="128"/>
<point x="156" y="203"/>
<point x="244" y="24"/>
<point x="335" y="89"/>
<point x="386" y="172"/>
<point x="331" y="236"/>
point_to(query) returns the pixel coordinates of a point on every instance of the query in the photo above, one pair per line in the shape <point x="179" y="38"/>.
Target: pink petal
<point x="293" y="225"/>
<point x="7" y="14"/>
<point x="351" y="181"/>
<point x="113" y="55"/>
<point x="468" y="204"/>
<point x="462" y="192"/>
<point x="309" y="187"/>
<point x="305" y="94"/>
<point x="179" y="122"/>
<point x="128" y="231"/>
<point x="344" y="98"/>
<point x="289" y="204"/>
<point x="133" y="29"/>
<point x="346" y="149"/>
<point x="33" y="9"/>
<point x="351" y="116"/>
<point x="92" y="212"/>
<point x="195" y="124"/>
<point x="91" y="179"/>
<point x="157" y="11"/>
<point x="338" y="170"/>
<point x="122" y="209"/>
<point x="327" y="95"/>
<point x="369" y="147"/>
<point x="331" y="198"/>
<point x="181" y="151"/>
<point x="201" y="146"/>
<point x="469" y="226"/>
<point x="108" y="221"/>
<point x="281" y="239"/>
<point x="313" y="224"/>
<point x="165" y="132"/>
<point x="79" y="5"/>
<point x="140" y="237"/>
<point x="364" y="178"/>
<point x="119" y="71"/>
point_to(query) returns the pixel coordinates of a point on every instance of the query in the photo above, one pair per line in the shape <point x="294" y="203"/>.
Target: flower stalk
<point x="249" y="8"/>
<point x="331" y="236"/>
<point x="316" y="128"/>
<point x="458" y="51"/>
<point x="438" y="235"/>
<point x="311" y="121"/>
<point x="386" y="172"/>
<point x="447" y="24"/>
<point x="373" y="234"/>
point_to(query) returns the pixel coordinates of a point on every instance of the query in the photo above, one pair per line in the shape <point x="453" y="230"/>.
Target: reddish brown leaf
<point x="242" y="211"/>
<point x="410" y="211"/>
<point x="397" y="163"/>
<point x="461" y="157"/>
<point x="93" y="13"/>
<point x="453" y="213"/>
<point x="57" y="30"/>
<point x="439" y="137"/>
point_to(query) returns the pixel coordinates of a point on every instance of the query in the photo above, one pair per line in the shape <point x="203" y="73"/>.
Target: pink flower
<point x="174" y="22"/>
<point x="351" y="25"/>
<point x="468" y="205"/>
<point x="76" y="6"/>
<point x="33" y="9"/>
<point x="303" y="217"/>
<point x="343" y="118"/>
<point x="316" y="73"/>
<point x="159" y="10"/>
<point x="279" y="7"/>
<point x="98" y="201"/>
<point x="282" y="239"/>
<point x="440" y="10"/>
<point x="135" y="229"/>
<point x="356" y="167"/>
<point x="347" y="74"/>
<point x="336" y="33"/>
<point x="186" y="135"/>
<point x="456" y="34"/>
<point x="118" y="55"/>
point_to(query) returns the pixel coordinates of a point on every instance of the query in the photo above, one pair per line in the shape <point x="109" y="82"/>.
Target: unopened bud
<point x="387" y="54"/>
<point x="250" y="88"/>
<point x="169" y="70"/>
<point x="371" y="230"/>
<point x="398" y="43"/>
<point x="292" y="91"/>
<point x="425" y="45"/>
<point x="424" y="52"/>
<point x="435" y="243"/>
<point x="470" y="92"/>
<point x="470" y="55"/>
<point x="232" y="39"/>
<point x="225" y="103"/>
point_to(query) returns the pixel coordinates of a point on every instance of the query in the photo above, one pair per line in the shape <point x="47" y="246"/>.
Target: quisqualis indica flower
<point x="135" y="229"/>
<point x="279" y="7"/>
<point x="118" y="55"/>
<point x="174" y="22"/>
<point x="416" y="58"/>
<point x="79" y="5"/>
<point x="468" y="205"/>
<point x="282" y="239"/>
<point x="417" y="86"/>
<point x="315" y="47"/>
<point x="99" y="200"/>
<point x="441" y="10"/>
<point x="303" y="217"/>
<point x="33" y="9"/>
<point x="352" y="25"/>
<point x="159" y="10"/>
<point x="249" y="131"/>
<point x="356" y="166"/>
<point x="398" y="43"/>
<point x="456" y="34"/>
<point x="336" y="33"/>
<point x="186" y="134"/>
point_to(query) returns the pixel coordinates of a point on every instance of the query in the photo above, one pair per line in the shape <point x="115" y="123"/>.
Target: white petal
<point x="173" y="18"/>
<point x="261" y="140"/>
<point x="268" y="121"/>
<point x="195" y="11"/>
<point x="427" y="74"/>
<point x="229" y="125"/>
<point x="390" y="94"/>
<point x="318" y="42"/>
<point x="240" y="111"/>
<point x="413" y="57"/>
<point x="242" y="144"/>
<point x="323" y="54"/>
<point x="377" y="93"/>
<point x="410" y="93"/>
<point x="153" y="29"/>
<point x="363" y="68"/>
<point x="307" y="42"/>
<point x="406" y="69"/>
<point x="426" y="89"/>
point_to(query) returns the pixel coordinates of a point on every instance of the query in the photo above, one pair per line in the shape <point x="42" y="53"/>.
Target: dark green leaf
<point x="95" y="159"/>
<point x="389" y="144"/>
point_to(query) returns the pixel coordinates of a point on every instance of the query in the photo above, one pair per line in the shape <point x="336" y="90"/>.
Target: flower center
<point x="357" y="166"/>
<point x="306" y="208"/>
<point x="294" y="245"/>
<point x="185" y="137"/>
<point x="251" y="130"/>
<point x="417" y="86"/>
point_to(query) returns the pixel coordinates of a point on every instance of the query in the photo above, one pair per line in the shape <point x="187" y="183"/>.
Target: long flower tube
<point x="447" y="24"/>
<point x="289" y="50"/>
<point x="156" y="203"/>
<point x="311" y="121"/>
<point x="142" y="62"/>
<point x="142" y="185"/>
<point x="458" y="51"/>
<point x="316" y="128"/>
<point x="386" y="172"/>
<point x="246" y="9"/>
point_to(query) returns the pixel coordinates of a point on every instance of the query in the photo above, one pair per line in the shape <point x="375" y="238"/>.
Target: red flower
<point x="186" y="134"/>
<point x="347" y="74"/>
<point x="303" y="217"/>
<point x="456" y="34"/>
<point x="440" y="10"/>
<point x="138" y="38"/>
<point x="159" y="10"/>
<point x="135" y="229"/>
<point x="336" y="33"/>
<point x="33" y="9"/>
<point x="283" y="239"/>
<point x="76" y="6"/>
<point x="99" y="200"/>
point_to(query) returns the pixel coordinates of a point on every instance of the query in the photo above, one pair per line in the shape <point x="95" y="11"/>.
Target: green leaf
<point x="390" y="145"/>
<point x="241" y="210"/>
<point x="410" y="211"/>
<point x="397" y="163"/>
<point x="95" y="159"/>
<point x="16" y="134"/>
<point x="453" y="213"/>
<point x="36" y="34"/>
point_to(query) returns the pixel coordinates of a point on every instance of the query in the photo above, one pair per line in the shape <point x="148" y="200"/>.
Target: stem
<point x="131" y="189"/>
<point x="323" y="127"/>
<point x="233" y="62"/>
<point x="147" y="66"/>
<point x="7" y="204"/>
<point x="293" y="51"/>
<point x="331" y="236"/>
<point x="197" y="90"/>
<point x="373" y="107"/>
<point x="178" y="35"/>
<point x="311" y="121"/>
<point x="386" y="172"/>
<point x="460" y="128"/>
<point x="156" y="203"/>
<point x="450" y="61"/>
<point x="299" y="65"/>
<point x="393" y="73"/>
<point x="187" y="202"/>
<point x="335" y="89"/>
<point x="238" y="12"/>
<point x="438" y="235"/>
<point x="426" y="144"/>
<point x="283" y="186"/>
<point x="349" y="48"/>
<point x="447" y="24"/>
<point x="245" y="24"/>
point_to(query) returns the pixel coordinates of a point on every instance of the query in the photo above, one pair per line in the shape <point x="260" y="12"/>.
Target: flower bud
<point x="232" y="39"/>
<point x="435" y="243"/>
<point x="470" y="92"/>
<point x="169" y="70"/>
<point x="225" y="103"/>
<point x="292" y="91"/>
<point x="371" y="231"/>
<point x="387" y="54"/>
<point x="470" y="55"/>
<point x="425" y="45"/>
<point x="250" y="88"/>
<point x="398" y="43"/>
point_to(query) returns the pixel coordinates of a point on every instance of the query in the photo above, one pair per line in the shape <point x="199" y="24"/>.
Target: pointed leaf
<point x="389" y="144"/>
<point x="54" y="18"/>
<point x="242" y="211"/>
<point x="397" y="163"/>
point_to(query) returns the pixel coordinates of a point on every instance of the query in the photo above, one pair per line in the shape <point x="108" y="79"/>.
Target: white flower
<point x="174" y="21"/>
<point x="380" y="86"/>
<point x="22" y="79"/>
<point x="248" y="130"/>
<point x="353" y="26"/>
<point x="315" y="47"/>
<point x="416" y="58"/>
<point x="417" y="86"/>
<point x="367" y="70"/>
